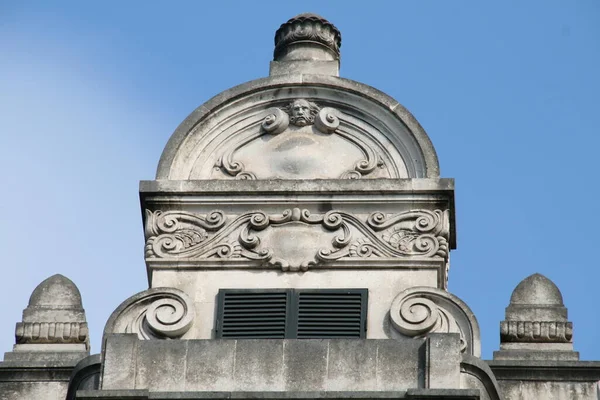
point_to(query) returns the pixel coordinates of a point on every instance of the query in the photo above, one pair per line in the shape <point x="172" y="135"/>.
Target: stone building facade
<point x="297" y="242"/>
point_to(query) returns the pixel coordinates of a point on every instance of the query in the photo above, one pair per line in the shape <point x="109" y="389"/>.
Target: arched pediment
<point x="350" y="131"/>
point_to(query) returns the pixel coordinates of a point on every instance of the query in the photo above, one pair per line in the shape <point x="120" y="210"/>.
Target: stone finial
<point x="309" y="44"/>
<point x="307" y="32"/>
<point x="53" y="322"/>
<point x="536" y="326"/>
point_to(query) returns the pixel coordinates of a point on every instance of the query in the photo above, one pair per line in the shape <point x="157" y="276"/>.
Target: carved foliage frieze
<point x="300" y="119"/>
<point x="296" y="239"/>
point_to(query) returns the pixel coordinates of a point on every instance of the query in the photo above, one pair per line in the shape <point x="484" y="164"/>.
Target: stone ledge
<point x="413" y="394"/>
<point x="270" y="186"/>
<point x="280" y="365"/>
<point x="13" y="371"/>
<point x="578" y="371"/>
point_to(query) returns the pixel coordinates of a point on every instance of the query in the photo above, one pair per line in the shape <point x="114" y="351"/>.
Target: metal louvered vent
<point x="291" y="313"/>
<point x="252" y="314"/>
<point x="331" y="314"/>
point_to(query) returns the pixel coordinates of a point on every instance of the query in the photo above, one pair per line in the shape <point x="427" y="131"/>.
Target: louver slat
<point x="253" y="315"/>
<point x="332" y="314"/>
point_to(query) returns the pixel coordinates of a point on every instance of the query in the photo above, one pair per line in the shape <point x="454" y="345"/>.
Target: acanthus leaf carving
<point x="178" y="235"/>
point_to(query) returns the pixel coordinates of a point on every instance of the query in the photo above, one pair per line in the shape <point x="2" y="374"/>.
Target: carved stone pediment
<point x="326" y="128"/>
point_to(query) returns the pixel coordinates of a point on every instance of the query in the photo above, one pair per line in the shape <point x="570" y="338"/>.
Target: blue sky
<point x="508" y="92"/>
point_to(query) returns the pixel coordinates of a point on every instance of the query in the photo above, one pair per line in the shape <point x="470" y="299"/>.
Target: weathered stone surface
<point x="258" y="366"/>
<point x="536" y="326"/>
<point x="35" y="379"/>
<point x="275" y="366"/>
<point x="308" y="371"/>
<point x="412" y="394"/>
<point x="119" y="359"/>
<point x="476" y="374"/>
<point x="209" y="367"/>
<point x="352" y="365"/>
<point x="161" y="365"/>
<point x="547" y="379"/>
<point x="85" y="376"/>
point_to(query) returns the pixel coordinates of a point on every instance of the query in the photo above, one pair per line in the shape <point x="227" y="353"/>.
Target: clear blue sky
<point x="508" y="92"/>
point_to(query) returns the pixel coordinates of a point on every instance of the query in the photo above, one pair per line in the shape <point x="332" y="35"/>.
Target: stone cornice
<point x="578" y="371"/>
<point x="383" y="186"/>
<point x="40" y="371"/>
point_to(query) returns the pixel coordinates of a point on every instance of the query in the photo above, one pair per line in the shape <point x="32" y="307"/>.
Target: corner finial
<point x="307" y="31"/>
<point x="54" y="324"/>
<point x="307" y="43"/>
<point x="536" y="325"/>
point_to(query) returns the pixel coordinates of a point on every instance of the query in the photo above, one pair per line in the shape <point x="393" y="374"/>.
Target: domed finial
<point x="53" y="325"/>
<point x="307" y="43"/>
<point x="537" y="289"/>
<point x="536" y="325"/>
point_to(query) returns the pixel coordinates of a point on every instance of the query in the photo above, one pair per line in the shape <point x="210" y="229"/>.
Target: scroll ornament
<point x="157" y="313"/>
<point x="301" y="113"/>
<point x="182" y="235"/>
<point x="416" y="313"/>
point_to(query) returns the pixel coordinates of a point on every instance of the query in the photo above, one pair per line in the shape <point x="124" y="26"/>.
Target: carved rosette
<point x="333" y="236"/>
<point x="156" y="313"/>
<point x="536" y="331"/>
<point x="419" y="311"/>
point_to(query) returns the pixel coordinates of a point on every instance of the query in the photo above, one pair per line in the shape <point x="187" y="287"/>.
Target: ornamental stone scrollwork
<point x="176" y="231"/>
<point x="157" y="313"/>
<point x="296" y="239"/>
<point x="418" y="311"/>
<point x="418" y="231"/>
<point x="304" y="123"/>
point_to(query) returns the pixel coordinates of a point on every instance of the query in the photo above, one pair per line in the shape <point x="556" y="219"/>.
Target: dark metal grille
<point x="330" y="314"/>
<point x="245" y="314"/>
<point x="292" y="313"/>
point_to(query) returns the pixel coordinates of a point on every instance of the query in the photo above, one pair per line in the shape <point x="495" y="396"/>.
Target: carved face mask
<point x="300" y="113"/>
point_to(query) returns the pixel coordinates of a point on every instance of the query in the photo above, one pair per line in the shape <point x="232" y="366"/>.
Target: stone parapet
<point x="329" y="365"/>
